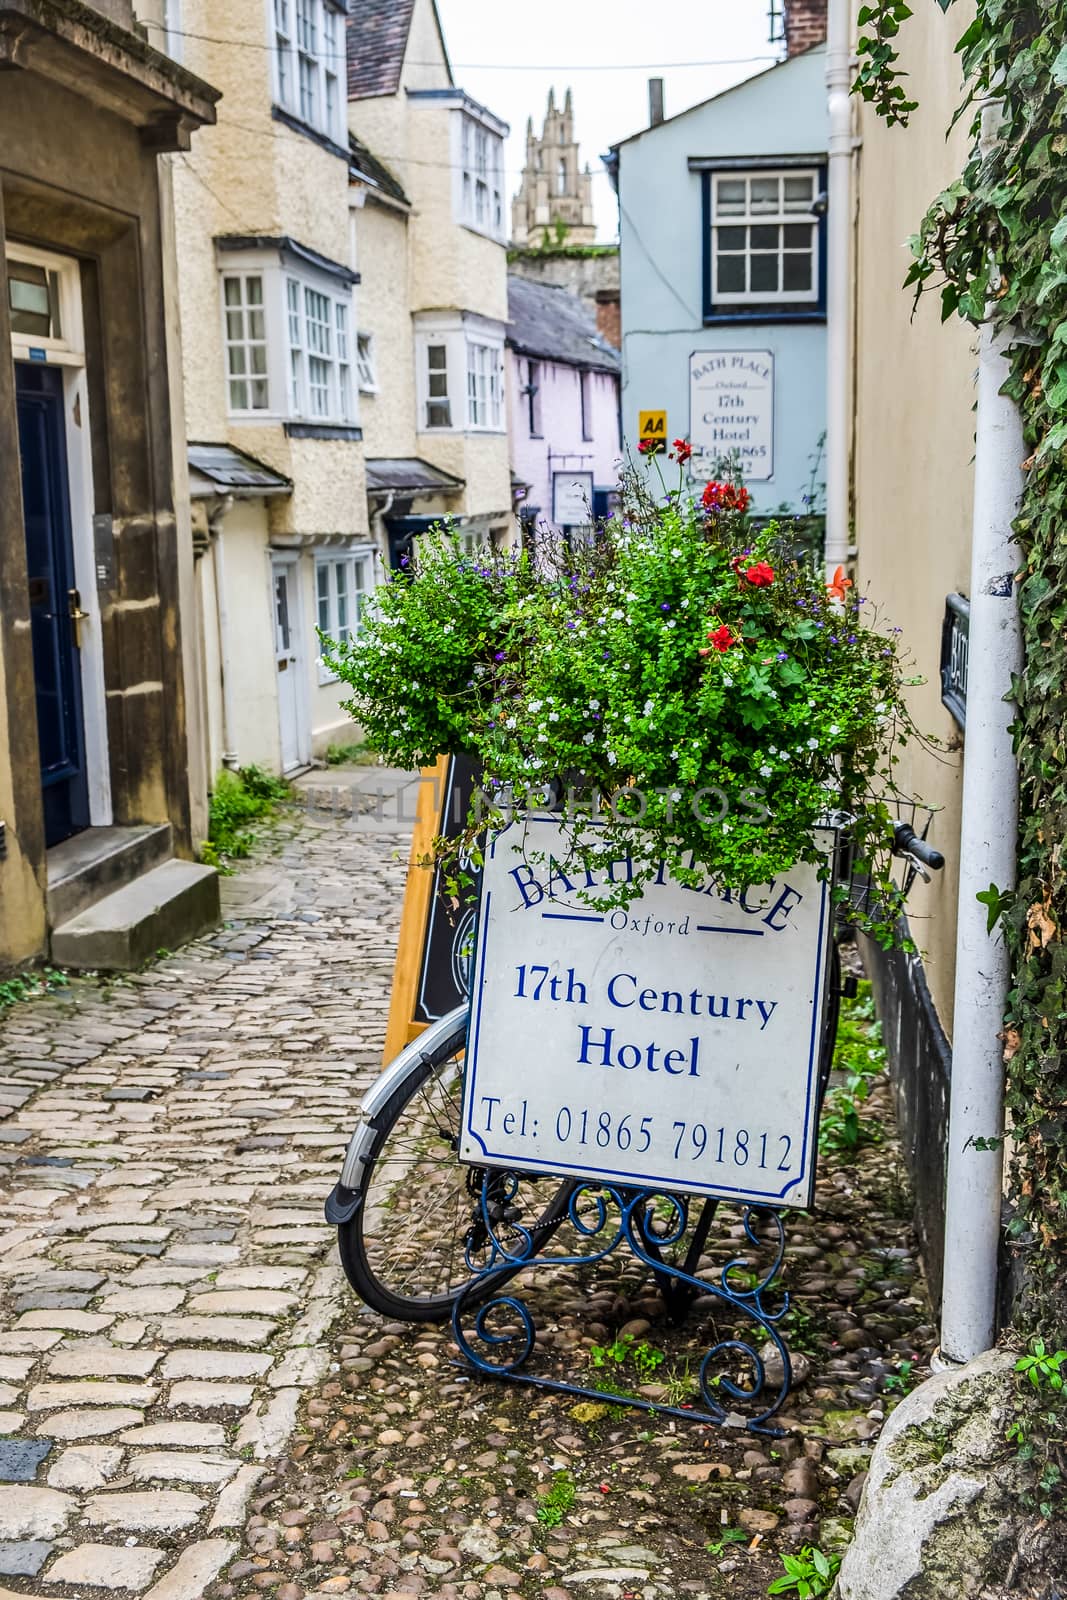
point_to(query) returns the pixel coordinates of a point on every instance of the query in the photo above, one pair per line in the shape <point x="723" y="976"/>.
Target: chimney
<point x="655" y="102"/>
<point x="805" y="25"/>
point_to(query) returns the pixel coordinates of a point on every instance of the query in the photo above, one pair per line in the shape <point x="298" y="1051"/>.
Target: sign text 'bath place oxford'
<point x="731" y="409"/>
<point x="673" y="1044"/>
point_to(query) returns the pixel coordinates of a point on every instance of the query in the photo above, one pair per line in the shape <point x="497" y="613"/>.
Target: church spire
<point x="553" y="203"/>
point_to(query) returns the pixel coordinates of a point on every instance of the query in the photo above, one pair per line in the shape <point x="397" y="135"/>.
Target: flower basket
<point x="702" y="690"/>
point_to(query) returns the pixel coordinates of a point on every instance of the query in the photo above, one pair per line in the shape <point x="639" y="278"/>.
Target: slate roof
<point x="377" y="39"/>
<point x="551" y="322"/>
<point x="368" y="169"/>
<point x="220" y="466"/>
<point x="409" y="474"/>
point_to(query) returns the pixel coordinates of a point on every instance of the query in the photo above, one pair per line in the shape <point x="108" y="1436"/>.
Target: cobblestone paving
<point x="167" y="1281"/>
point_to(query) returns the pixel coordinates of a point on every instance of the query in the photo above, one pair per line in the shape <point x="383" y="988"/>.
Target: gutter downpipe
<point x="840" y="148"/>
<point x="988" y="854"/>
<point x="216" y="518"/>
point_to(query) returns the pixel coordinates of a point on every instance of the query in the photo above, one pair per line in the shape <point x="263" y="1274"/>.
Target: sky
<point x="507" y="54"/>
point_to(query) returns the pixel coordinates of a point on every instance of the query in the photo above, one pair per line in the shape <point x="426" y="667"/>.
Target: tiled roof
<point x="377" y="39"/>
<point x="545" y="320"/>
<point x="222" y="466"/>
<point x="410" y="474"/>
<point x="368" y="169"/>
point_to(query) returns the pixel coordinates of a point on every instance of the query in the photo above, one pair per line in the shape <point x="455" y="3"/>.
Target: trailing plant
<point x="238" y="798"/>
<point x="994" y="244"/>
<point x="685" y="677"/>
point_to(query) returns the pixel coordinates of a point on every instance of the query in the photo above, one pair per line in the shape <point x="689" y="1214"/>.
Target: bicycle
<point x="413" y="1231"/>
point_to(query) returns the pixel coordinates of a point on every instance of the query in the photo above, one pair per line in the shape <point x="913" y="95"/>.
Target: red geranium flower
<point x="647" y="447"/>
<point x="725" y="497"/>
<point x="721" y="639"/>
<point x="760" y="575"/>
<point x="836" y="588"/>
<point x="681" y="450"/>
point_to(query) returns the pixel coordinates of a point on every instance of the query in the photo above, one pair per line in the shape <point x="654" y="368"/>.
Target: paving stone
<point x="8" y="1394"/>
<point x="181" y="1466"/>
<point x="260" y="1278"/>
<point x="152" y="1302"/>
<point x="31" y="1512"/>
<point x="14" y="1368"/>
<point x="215" y="1364"/>
<point x="244" y="1302"/>
<point x="71" y="1321"/>
<point x="198" y="1435"/>
<point x="24" y="1559"/>
<point x="20" y="1458"/>
<point x="80" y="1359"/>
<point x="59" y="1396"/>
<point x="11" y="1422"/>
<point x="206" y="1396"/>
<point x="91" y="1424"/>
<point x="155" y="1510"/>
<point x="87" y="1466"/>
<point x="194" y="1570"/>
<point x="216" y="1330"/>
<point x="133" y="1233"/>
<point x="34" y="1339"/>
<point x="106" y="1566"/>
<point x="233" y="1501"/>
<point x="52" y="1300"/>
<point x="15" y="1135"/>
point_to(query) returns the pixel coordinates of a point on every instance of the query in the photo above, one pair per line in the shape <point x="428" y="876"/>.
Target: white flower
<point x="676" y="552"/>
<point x="649" y="708"/>
<point x="612" y="758"/>
<point x="728" y="681"/>
<point x="765" y="771"/>
<point x="617" y="615"/>
<point x="834" y="728"/>
<point x="553" y="716"/>
<point x="594" y="705"/>
<point x="676" y="794"/>
<point x="510" y="723"/>
<point x="535" y="705"/>
<point x="813" y="744"/>
<point x="587" y="738"/>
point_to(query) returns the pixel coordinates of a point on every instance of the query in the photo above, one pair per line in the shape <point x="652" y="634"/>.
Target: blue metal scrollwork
<point x="647" y="1222"/>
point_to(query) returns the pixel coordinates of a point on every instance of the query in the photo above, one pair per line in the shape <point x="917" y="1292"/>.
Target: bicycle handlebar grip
<point x="907" y="841"/>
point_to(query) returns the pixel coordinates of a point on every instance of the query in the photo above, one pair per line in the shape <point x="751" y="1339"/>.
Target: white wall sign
<point x="572" y="499"/>
<point x="731" y="407"/>
<point x="673" y="1045"/>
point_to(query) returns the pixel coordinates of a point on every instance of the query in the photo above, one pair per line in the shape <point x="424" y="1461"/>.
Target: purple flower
<point x="665" y="606"/>
<point x="499" y="656"/>
<point x="783" y="655"/>
<point x="572" y="624"/>
<point x="852" y="638"/>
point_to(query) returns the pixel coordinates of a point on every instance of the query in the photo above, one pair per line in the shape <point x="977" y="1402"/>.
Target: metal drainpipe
<point x="216" y="517"/>
<point x="839" y="278"/>
<point x="988" y="854"/>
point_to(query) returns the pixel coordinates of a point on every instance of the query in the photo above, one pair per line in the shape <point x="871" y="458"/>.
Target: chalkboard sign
<point x="436" y="936"/>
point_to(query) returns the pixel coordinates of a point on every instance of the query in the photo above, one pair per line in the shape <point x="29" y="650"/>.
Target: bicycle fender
<point x="409" y="1057"/>
<point x="341" y="1204"/>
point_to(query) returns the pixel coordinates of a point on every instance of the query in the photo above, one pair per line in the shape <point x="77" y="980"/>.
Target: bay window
<point x="309" y="56"/>
<point x="460" y="364"/>
<point x="482" y="177"/>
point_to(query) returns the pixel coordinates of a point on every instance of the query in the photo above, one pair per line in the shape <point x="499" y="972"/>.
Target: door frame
<point x="68" y="354"/>
<point x="291" y="561"/>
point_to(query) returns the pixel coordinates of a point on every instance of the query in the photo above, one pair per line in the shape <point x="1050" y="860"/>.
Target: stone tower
<point x="553" y="190"/>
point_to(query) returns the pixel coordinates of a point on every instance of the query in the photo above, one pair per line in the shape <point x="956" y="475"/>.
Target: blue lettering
<point x="622" y="1004"/>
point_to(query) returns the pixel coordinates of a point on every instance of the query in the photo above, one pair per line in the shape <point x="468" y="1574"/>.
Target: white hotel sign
<point x="731" y="408"/>
<point x="674" y="1045"/>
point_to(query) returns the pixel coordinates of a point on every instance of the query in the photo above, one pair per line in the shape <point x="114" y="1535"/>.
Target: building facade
<point x="268" y="308"/>
<point x="427" y="181"/>
<point x="554" y="204"/>
<point x="723" y="246"/>
<point x="101" y="785"/>
<point x="563" y="408"/>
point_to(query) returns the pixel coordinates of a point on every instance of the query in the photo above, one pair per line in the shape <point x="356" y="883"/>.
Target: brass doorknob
<point x="76" y="614"/>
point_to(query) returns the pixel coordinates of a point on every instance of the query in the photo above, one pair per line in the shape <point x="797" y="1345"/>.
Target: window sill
<point x="279" y="114"/>
<point x="323" y="430"/>
<point x="484" y="233"/>
<point x="372" y="391"/>
<point x="763" y="314"/>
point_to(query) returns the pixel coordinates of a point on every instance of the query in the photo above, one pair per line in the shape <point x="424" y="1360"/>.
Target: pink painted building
<point x="563" y="407"/>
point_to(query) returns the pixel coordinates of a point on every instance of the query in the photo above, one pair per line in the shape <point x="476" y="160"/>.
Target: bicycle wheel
<point x="418" y="1236"/>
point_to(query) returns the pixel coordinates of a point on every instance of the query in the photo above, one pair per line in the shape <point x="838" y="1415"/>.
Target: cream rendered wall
<point x="388" y="417"/>
<point x="914" y="439"/>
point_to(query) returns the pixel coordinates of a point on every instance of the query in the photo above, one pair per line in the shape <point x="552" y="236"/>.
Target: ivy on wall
<point x="994" y="243"/>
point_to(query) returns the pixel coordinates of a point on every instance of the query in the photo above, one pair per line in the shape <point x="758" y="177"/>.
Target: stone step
<point x="159" y="910"/>
<point x="97" y="861"/>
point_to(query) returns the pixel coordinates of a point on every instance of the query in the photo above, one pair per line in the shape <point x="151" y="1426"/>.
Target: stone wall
<point x="592" y="273"/>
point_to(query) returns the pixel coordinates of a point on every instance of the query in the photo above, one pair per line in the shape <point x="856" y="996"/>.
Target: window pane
<point x="438" y="386"/>
<point x="730" y="196"/>
<point x="797" y="235"/>
<point x="237" y="360"/>
<point x="340" y="570"/>
<point x="763" y="195"/>
<point x="319" y="386"/>
<point x="730" y="277"/>
<point x="231" y="288"/>
<point x="257" y="328"/>
<point x="797" y="271"/>
<point x="235" y="325"/>
<point x="258" y="354"/>
<point x="322" y="584"/>
<point x="436" y="357"/>
<point x="732" y="238"/>
<point x="254" y="291"/>
<point x="259" y="394"/>
<point x="799" y="193"/>
<point x="764" y="274"/>
<point x="765" y="238"/>
<point x="238" y="394"/>
<point x="438" y="414"/>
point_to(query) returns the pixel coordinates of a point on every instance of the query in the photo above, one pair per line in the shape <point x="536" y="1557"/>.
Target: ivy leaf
<point x="995" y="902"/>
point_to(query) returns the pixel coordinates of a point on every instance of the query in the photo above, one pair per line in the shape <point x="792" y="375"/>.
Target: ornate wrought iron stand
<point x="500" y="1333"/>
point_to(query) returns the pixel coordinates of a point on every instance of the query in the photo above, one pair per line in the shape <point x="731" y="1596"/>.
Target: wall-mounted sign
<point x="572" y="499"/>
<point x="672" y="1045"/>
<point x="731" y="409"/>
<point x="652" y="431"/>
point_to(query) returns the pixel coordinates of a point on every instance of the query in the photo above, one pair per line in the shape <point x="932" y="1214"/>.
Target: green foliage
<point x="860" y="1054"/>
<point x="879" y="80"/>
<point x="704" y="714"/>
<point x="810" y="1573"/>
<point x="560" y="1499"/>
<point x="900" y="1382"/>
<point x="29" y="985"/>
<point x="994" y="243"/>
<point x="729" y="1536"/>
<point x="1042" y="1367"/>
<point x="238" y="798"/>
<point x="643" y="1357"/>
<point x="1039" y="1428"/>
<point x="350" y="755"/>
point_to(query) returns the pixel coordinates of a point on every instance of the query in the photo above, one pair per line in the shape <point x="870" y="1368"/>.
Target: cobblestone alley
<point x="193" y="1401"/>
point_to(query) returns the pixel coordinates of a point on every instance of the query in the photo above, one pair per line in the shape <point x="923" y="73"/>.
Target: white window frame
<point x="366" y="362"/>
<point x="344" y="587"/>
<point x="480" y="190"/>
<point x="296" y="299"/>
<point x="779" y="216"/>
<point x="239" y="315"/>
<point x="485" y="387"/>
<point x="434" y="348"/>
<point x="308" y="50"/>
<point x="474" y="358"/>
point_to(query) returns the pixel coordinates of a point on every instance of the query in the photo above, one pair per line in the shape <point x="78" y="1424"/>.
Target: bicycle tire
<point x="356" y="1243"/>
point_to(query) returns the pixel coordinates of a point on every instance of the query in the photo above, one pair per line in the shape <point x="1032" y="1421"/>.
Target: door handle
<point x="76" y="614"/>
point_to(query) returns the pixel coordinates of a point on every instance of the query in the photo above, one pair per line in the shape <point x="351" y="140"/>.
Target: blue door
<point x="54" y="599"/>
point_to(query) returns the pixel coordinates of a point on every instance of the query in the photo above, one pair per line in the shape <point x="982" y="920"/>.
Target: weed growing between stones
<point x="859" y="1060"/>
<point x="27" y="985"/>
<point x="808" y="1574"/>
<point x="238" y="798"/>
<point x="1039" y="1429"/>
